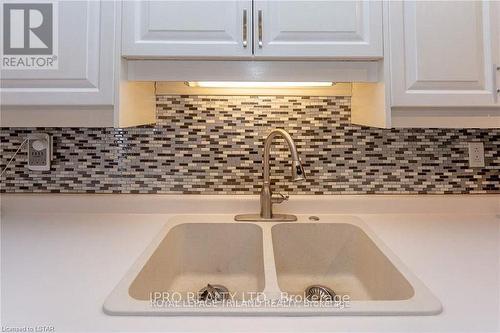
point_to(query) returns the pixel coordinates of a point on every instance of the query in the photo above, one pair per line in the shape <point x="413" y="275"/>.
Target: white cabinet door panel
<point x="318" y="29"/>
<point x="443" y="53"/>
<point x="495" y="21"/>
<point x="86" y="58"/>
<point x="187" y="28"/>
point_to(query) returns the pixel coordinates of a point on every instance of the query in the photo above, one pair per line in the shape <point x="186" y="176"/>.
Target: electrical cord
<point x="17" y="151"/>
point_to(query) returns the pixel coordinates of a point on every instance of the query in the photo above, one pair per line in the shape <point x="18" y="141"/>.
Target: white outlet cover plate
<point x="39" y="152"/>
<point x="476" y="154"/>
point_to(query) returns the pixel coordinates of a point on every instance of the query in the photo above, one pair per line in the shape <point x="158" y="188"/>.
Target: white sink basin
<point x="338" y="252"/>
<point x="339" y="256"/>
<point x="194" y="254"/>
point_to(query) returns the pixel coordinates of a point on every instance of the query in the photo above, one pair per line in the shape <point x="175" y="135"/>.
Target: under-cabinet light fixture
<point x="245" y="84"/>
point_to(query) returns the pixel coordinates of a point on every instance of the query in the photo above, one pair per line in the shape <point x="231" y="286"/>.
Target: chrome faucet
<point x="266" y="197"/>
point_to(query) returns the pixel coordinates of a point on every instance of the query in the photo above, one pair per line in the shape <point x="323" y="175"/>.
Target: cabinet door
<point x="198" y="29"/>
<point x="443" y="53"/>
<point x="84" y="75"/>
<point x="318" y="29"/>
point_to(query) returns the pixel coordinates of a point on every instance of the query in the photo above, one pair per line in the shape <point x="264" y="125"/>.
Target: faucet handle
<point x="279" y="198"/>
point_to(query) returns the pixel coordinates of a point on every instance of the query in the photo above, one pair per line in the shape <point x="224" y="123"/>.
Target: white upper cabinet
<point x="84" y="75"/>
<point x="245" y="29"/>
<point x="187" y="29"/>
<point x="444" y="53"/>
<point x="318" y="29"/>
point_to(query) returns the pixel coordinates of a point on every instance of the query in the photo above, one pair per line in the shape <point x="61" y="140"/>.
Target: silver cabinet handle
<point x="498" y="70"/>
<point x="260" y="28"/>
<point x="496" y="88"/>
<point x="245" y="28"/>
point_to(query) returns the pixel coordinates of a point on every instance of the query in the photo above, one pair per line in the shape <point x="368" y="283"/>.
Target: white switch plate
<point x="476" y="154"/>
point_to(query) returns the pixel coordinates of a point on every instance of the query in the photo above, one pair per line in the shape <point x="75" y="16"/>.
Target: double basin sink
<point x="268" y="261"/>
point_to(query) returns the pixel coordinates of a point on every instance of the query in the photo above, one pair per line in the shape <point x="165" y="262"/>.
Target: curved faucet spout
<point x="266" y="195"/>
<point x="297" y="169"/>
<point x="266" y="202"/>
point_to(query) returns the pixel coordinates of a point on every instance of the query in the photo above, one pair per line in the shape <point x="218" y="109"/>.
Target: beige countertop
<point x="63" y="254"/>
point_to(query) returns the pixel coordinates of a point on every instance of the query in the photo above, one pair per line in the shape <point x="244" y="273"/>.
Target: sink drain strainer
<point x="213" y="293"/>
<point x="318" y="293"/>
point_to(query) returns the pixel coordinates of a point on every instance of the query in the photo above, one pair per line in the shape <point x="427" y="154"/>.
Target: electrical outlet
<point x="39" y="151"/>
<point x="476" y="155"/>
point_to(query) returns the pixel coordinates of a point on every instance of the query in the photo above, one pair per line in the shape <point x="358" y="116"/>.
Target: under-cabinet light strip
<point x="245" y="84"/>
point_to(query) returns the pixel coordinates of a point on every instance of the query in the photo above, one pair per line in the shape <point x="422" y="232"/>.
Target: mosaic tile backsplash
<point x="213" y="145"/>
